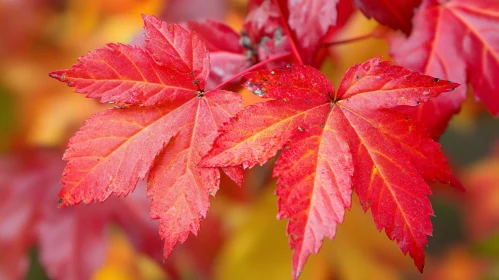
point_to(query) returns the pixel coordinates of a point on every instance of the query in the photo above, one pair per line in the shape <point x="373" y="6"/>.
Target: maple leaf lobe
<point x="390" y="85"/>
<point x="175" y="47"/>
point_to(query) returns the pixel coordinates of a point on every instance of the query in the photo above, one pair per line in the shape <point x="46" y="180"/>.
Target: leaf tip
<point x="62" y="203"/>
<point x="59" y="75"/>
<point x="146" y="17"/>
<point x="421" y="267"/>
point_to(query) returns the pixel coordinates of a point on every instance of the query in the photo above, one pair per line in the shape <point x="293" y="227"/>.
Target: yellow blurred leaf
<point x="124" y="263"/>
<point x="89" y="24"/>
<point x="258" y="248"/>
<point x="54" y="120"/>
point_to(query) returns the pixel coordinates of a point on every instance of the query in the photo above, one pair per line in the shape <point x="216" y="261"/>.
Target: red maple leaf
<point x="333" y="142"/>
<point x="29" y="182"/>
<point x="455" y="40"/>
<point x="396" y="14"/>
<point x="168" y="124"/>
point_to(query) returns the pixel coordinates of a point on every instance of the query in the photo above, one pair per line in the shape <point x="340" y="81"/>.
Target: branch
<point x="258" y="65"/>
<point x="346" y="41"/>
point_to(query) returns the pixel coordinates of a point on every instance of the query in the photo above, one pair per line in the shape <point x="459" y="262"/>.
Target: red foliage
<point x="168" y="127"/>
<point x="333" y="141"/>
<point x="164" y="142"/>
<point x="455" y="40"/>
<point x="29" y="183"/>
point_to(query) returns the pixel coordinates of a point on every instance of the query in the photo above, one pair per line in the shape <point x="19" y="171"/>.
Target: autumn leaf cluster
<point x="176" y="123"/>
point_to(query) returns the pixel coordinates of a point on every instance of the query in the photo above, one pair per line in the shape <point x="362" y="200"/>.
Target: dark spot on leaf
<point x="436" y="80"/>
<point x="308" y="100"/>
<point x="357" y="77"/>
<point x="368" y="203"/>
<point x="330" y="96"/>
<point x="417" y="103"/>
<point x="245" y="41"/>
<point x="322" y="125"/>
<point x="372" y="127"/>
<point x="452" y="89"/>
<point x="60" y="202"/>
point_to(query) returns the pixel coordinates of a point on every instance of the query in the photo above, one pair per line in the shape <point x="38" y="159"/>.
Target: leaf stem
<point x="287" y="30"/>
<point x="258" y="65"/>
<point x="346" y="41"/>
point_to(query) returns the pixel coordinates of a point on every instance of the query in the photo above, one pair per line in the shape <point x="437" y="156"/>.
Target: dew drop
<point x="272" y="72"/>
<point x="258" y="92"/>
<point x="426" y="92"/>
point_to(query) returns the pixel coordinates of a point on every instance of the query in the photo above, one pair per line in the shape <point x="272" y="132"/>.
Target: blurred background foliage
<point x="241" y="238"/>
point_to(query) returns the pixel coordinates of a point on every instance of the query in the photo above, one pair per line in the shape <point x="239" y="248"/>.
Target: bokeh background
<point x="241" y="238"/>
